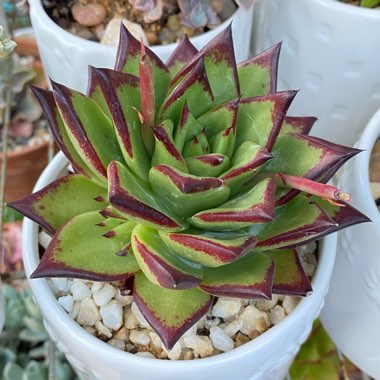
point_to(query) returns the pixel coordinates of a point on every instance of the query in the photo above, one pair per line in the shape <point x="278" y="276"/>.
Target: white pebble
<point x="140" y="337"/>
<point x="67" y="302"/>
<point x="60" y="284"/>
<point x="130" y="321"/>
<point x="175" y="352"/>
<point x="104" y="295"/>
<point x="266" y="305"/>
<point x="112" y="315"/>
<point x="80" y="290"/>
<point x="122" y="334"/>
<point x="254" y="320"/>
<point x="277" y="314"/>
<point x="231" y="328"/>
<point x="145" y="354"/>
<point x="74" y="313"/>
<point x="289" y="303"/>
<point x="140" y="318"/>
<point x="156" y="340"/>
<point x="123" y="300"/>
<point x="44" y="239"/>
<point x="201" y="345"/>
<point x="119" y="344"/>
<point x="96" y="286"/>
<point x="192" y="330"/>
<point x="103" y="329"/>
<point x="220" y="339"/>
<point x="226" y="307"/>
<point x="211" y="322"/>
<point x="88" y="312"/>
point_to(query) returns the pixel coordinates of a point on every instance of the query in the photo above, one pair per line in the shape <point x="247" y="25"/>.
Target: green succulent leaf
<point x="258" y="75"/>
<point x="210" y="250"/>
<point x="297" y="125"/>
<point x="210" y="165"/>
<point x="170" y="312"/>
<point x="255" y="206"/>
<point x="61" y="200"/>
<point x="99" y="242"/>
<point x="186" y="194"/>
<point x="249" y="277"/>
<point x="289" y="277"/>
<point x="134" y="199"/>
<point x="159" y="264"/>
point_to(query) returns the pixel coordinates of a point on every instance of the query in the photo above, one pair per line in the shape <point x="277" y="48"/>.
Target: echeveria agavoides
<point x="197" y="186"/>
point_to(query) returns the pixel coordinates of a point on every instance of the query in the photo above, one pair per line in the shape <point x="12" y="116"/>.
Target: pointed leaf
<point x="246" y="162"/>
<point x="134" y="199"/>
<point x="159" y="264"/>
<point x="89" y="129"/>
<point x="88" y="255"/>
<point x="128" y="61"/>
<point x="194" y="90"/>
<point x="61" y="200"/>
<point x="169" y="312"/>
<point x="248" y="277"/>
<point x="165" y="151"/>
<point x="296" y="223"/>
<point x="94" y="91"/>
<point x="57" y="127"/>
<point x="255" y="206"/>
<point x="198" y="146"/>
<point x="182" y="54"/>
<point x="122" y="95"/>
<point x="269" y="111"/>
<point x="300" y="125"/>
<point x="210" y="165"/>
<point x="184" y="193"/>
<point x="211" y="250"/>
<point x="258" y="75"/>
<point x="290" y="278"/>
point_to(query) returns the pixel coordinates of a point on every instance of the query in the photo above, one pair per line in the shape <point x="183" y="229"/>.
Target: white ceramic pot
<point x="66" y="56"/>
<point x="266" y="357"/>
<point x="352" y="311"/>
<point x="331" y="51"/>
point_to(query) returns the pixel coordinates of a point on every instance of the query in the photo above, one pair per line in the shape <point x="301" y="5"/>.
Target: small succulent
<point x="6" y="44"/>
<point x="367" y="3"/>
<point x="24" y="341"/>
<point x="190" y="182"/>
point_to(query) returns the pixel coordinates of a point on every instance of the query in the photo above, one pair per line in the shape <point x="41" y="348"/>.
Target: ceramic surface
<point x="331" y="52"/>
<point x="268" y="357"/>
<point x="352" y="311"/>
<point x="66" y="56"/>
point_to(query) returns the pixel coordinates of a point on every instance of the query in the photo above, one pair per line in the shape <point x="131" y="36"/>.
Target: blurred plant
<point x="11" y="247"/>
<point x="369" y="3"/>
<point x="6" y="44"/>
<point x="24" y="341"/>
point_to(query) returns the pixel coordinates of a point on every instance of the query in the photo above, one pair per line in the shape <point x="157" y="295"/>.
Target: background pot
<point x="352" y="310"/>
<point x="63" y="52"/>
<point x="331" y="51"/>
<point x="266" y="357"/>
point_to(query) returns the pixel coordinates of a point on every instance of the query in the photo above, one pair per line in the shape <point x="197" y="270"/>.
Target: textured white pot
<point x="331" y="51"/>
<point x="352" y="311"/>
<point x="266" y="357"/>
<point x="66" y="56"/>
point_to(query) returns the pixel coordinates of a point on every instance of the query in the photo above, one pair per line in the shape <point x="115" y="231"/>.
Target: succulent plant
<point x="369" y="3"/>
<point x="24" y="341"/>
<point x="6" y="44"/>
<point x="190" y="182"/>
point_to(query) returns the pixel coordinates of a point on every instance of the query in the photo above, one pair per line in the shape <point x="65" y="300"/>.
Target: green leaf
<point x="169" y="312"/>
<point x="159" y="264"/>
<point x="211" y="249"/>
<point x="184" y="193"/>
<point x="91" y="254"/>
<point x="296" y="222"/>
<point x="290" y="278"/>
<point x="258" y="75"/>
<point x="61" y="200"/>
<point x="210" y="165"/>
<point x="248" y="277"/>
<point x="255" y="206"/>
<point x="297" y="125"/>
<point x="134" y="199"/>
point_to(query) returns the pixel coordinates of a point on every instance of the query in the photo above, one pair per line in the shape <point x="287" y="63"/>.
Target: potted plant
<point x="189" y="185"/>
<point x="63" y="52"/>
<point x="356" y="333"/>
<point x="333" y="62"/>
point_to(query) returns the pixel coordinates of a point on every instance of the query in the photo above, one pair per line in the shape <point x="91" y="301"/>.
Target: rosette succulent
<point x="189" y="181"/>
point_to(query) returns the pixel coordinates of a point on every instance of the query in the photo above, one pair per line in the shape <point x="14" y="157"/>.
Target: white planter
<point x="66" y="56"/>
<point x="331" y="51"/>
<point x="352" y="311"/>
<point x="266" y="357"/>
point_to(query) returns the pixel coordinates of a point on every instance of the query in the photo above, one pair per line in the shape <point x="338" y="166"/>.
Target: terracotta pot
<point x="24" y="166"/>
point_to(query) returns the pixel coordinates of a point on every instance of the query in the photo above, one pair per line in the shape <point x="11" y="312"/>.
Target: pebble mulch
<point x="114" y="318"/>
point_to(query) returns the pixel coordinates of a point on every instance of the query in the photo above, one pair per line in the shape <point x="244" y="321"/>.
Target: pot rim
<point x="25" y="150"/>
<point x="90" y="44"/>
<point x="43" y="294"/>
